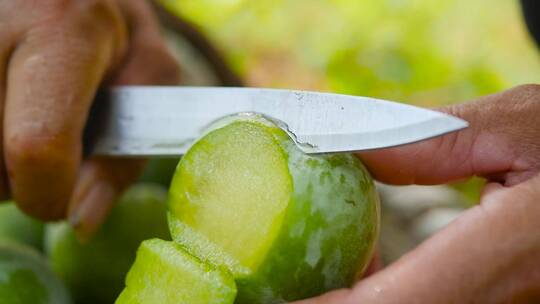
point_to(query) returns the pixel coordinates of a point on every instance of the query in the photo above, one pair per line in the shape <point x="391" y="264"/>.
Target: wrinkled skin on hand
<point x="54" y="55"/>
<point x="491" y="253"/>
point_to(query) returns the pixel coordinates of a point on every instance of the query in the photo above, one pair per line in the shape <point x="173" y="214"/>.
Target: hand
<point x="491" y="253"/>
<point x="53" y="56"/>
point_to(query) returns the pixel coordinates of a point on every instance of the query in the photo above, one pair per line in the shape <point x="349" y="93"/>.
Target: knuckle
<point x="529" y="88"/>
<point x="528" y="93"/>
<point x="526" y="99"/>
<point x="84" y="24"/>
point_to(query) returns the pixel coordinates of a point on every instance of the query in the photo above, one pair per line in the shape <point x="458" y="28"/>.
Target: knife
<point x="148" y="121"/>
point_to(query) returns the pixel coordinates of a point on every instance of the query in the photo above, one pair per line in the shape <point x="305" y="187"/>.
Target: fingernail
<point x="91" y="209"/>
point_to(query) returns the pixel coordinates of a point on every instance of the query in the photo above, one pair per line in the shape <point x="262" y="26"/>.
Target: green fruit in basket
<point x="95" y="272"/>
<point x="288" y="225"/>
<point x="26" y="278"/>
<point x="165" y="273"/>
<point x="19" y="227"/>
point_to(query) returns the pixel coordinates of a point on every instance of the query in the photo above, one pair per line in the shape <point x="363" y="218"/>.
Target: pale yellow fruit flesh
<point x="234" y="192"/>
<point x="165" y="273"/>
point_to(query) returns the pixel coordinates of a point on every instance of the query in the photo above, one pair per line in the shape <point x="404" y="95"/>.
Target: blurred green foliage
<point x="423" y="52"/>
<point x="418" y="51"/>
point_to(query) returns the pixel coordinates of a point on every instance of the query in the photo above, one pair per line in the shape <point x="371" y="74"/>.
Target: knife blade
<point x="165" y="121"/>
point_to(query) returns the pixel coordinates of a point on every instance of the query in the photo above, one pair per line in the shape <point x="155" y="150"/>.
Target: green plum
<point x="19" y="227"/>
<point x="95" y="271"/>
<point x="26" y="277"/>
<point x="286" y="224"/>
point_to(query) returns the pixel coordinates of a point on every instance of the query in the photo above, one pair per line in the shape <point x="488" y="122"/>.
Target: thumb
<point x="499" y="144"/>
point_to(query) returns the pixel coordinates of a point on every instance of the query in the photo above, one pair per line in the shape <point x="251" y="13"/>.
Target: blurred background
<point x="421" y="52"/>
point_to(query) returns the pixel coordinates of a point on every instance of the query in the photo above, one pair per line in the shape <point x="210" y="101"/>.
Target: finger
<point x="148" y="62"/>
<point x="485" y="148"/>
<point x="52" y="78"/>
<point x="100" y="183"/>
<point x="488" y="255"/>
